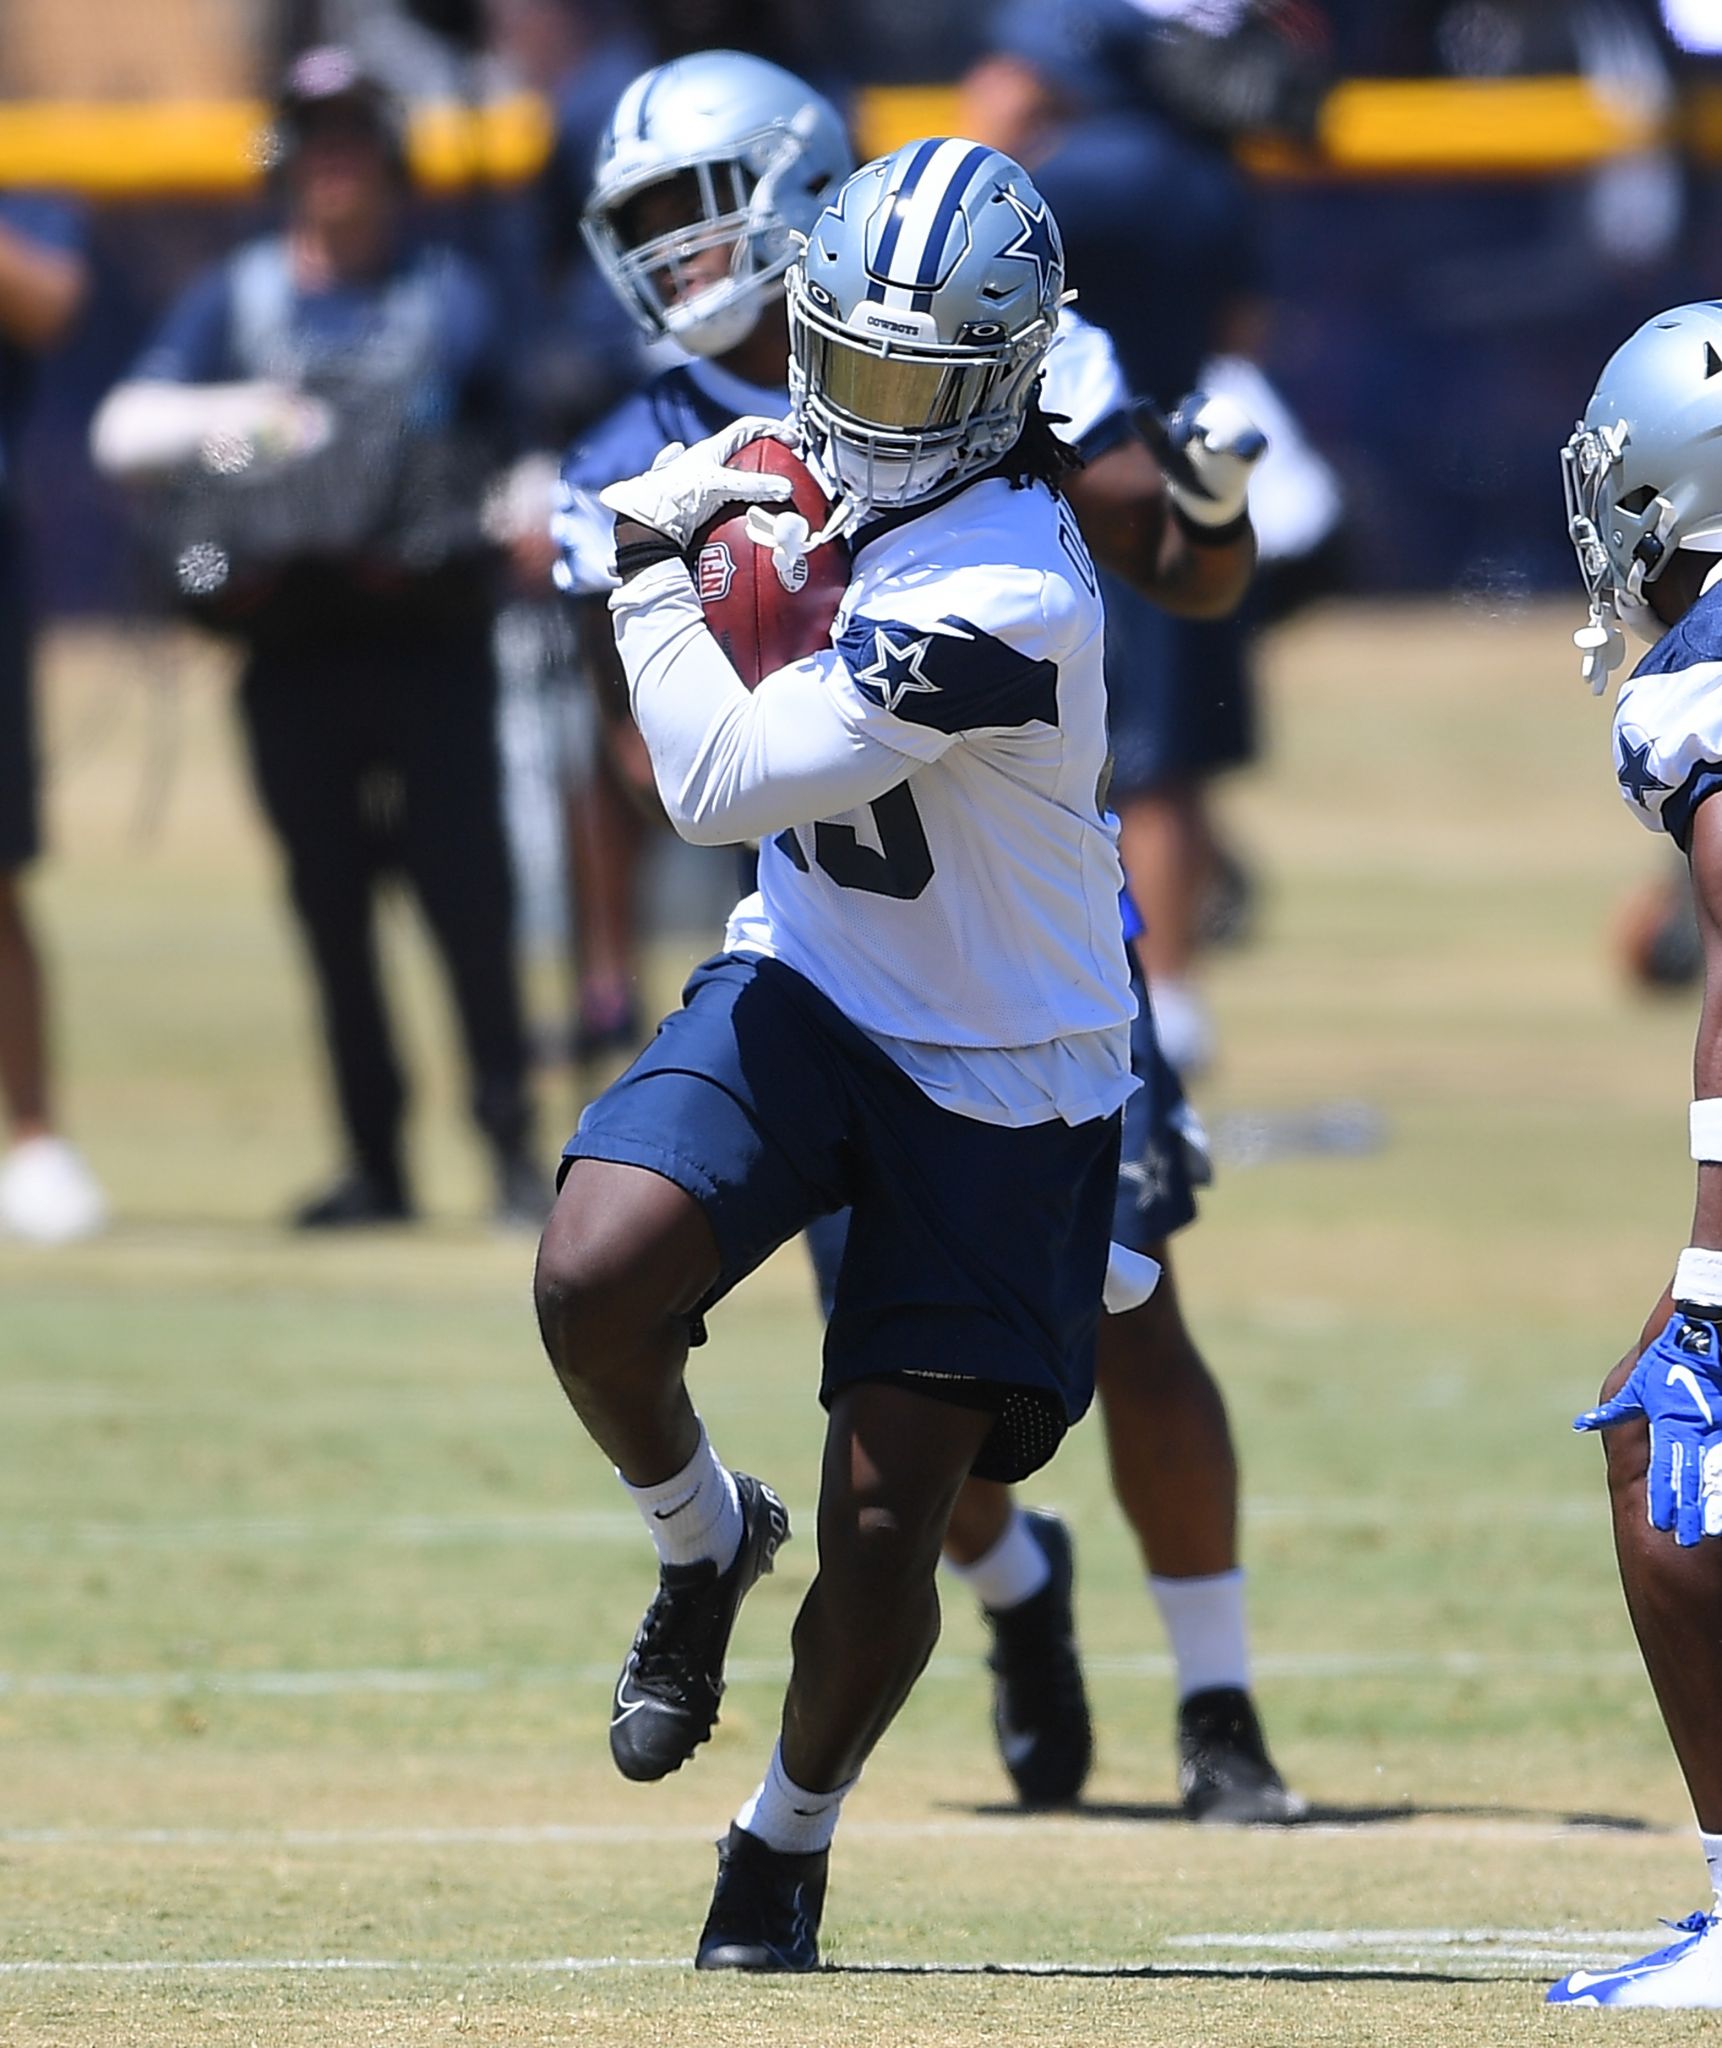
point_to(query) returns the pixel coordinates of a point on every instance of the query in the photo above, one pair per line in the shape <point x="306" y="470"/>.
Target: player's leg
<point x="702" y="1158"/>
<point x="308" y="761"/>
<point x="23" y="1034"/>
<point x="1175" y="1474"/>
<point x="894" y="1459"/>
<point x="47" y="1193"/>
<point x="456" y="852"/>
<point x="1674" y="1597"/>
<point x="962" y="1338"/>
<point x="1020" y="1564"/>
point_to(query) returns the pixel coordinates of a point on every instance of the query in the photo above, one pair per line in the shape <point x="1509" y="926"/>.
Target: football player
<point x="686" y="144"/>
<point x="1644" y="503"/>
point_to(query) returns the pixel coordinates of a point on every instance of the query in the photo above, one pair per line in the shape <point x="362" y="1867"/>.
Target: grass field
<point x="312" y="1593"/>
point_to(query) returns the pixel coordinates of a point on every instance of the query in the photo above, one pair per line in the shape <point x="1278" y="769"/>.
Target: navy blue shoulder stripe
<point x="1679" y="809"/>
<point x="1698" y="637"/>
<point x="952" y="677"/>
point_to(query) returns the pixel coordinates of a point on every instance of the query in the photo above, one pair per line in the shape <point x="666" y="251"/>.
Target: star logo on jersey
<point x="1036" y="240"/>
<point x="895" y="670"/>
<point x="1634" y="774"/>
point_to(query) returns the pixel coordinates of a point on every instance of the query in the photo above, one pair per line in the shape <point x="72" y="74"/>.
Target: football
<point x="768" y="607"/>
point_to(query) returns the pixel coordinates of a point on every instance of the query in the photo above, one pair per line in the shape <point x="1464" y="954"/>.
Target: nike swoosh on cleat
<point x="622" y="1707"/>
<point x="669" y="1514"/>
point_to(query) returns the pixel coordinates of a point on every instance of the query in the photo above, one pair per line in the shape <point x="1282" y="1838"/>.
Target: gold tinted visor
<point x="900" y="394"/>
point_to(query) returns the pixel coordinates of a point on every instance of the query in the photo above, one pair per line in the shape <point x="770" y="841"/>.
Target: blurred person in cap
<point x="312" y="431"/>
<point x="47" y="1193"/>
<point x="1122" y="111"/>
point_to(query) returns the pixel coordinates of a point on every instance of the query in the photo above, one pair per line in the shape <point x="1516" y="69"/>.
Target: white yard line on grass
<point x="1309" y="1664"/>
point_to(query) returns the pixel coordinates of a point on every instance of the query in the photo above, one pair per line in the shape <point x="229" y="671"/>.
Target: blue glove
<point x="1677" y="1388"/>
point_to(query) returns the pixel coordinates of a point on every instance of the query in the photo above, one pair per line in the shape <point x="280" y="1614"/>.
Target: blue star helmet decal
<point x="1036" y="241"/>
<point x="896" y="669"/>
<point x="1634" y="773"/>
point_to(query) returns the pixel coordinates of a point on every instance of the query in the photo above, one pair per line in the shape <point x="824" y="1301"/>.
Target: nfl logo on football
<point x="717" y="572"/>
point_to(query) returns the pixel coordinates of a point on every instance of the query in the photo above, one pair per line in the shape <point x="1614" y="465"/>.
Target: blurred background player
<point x="47" y="1193"/>
<point x="708" y="165"/>
<point x="1160" y="229"/>
<point x="323" y="409"/>
<point x="1644" y="500"/>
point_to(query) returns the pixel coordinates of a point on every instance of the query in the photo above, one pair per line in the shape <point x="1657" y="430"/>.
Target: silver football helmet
<point x="1643" y="474"/>
<point x="919" y="317"/>
<point x="762" y="153"/>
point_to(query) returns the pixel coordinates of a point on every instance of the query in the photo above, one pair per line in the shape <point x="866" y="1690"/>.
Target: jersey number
<point x="900" y="866"/>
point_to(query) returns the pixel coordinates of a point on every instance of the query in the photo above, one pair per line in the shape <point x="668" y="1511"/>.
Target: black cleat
<point x="667" y="1697"/>
<point x="1040" y="1710"/>
<point x="765" y="1909"/>
<point x="1225" y="1776"/>
<point x="358" y="1199"/>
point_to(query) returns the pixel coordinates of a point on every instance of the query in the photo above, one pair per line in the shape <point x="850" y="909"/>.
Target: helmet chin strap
<point x="1603" y="647"/>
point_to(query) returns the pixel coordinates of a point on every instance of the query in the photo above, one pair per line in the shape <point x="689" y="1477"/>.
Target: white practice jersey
<point x="934" y="853"/>
<point x="1668" y="722"/>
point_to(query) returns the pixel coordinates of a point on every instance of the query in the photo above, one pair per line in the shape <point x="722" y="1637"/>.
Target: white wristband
<point x="1698" y="1278"/>
<point x="1706" y="1122"/>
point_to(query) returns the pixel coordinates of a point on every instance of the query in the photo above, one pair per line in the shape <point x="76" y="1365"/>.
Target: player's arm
<point x="1173" y="520"/>
<point x="1674" y="1381"/>
<point x="1705" y="855"/>
<point x="731" y="764"/>
<point x="42" y="289"/>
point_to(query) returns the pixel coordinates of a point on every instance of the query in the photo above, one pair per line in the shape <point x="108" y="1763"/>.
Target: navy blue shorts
<point x="1161" y="1161"/>
<point x="975" y="1253"/>
<point x="20" y="828"/>
<point x="1179" y="701"/>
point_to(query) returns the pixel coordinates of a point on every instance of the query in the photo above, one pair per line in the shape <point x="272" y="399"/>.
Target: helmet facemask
<point x="1623" y="543"/>
<point x="895" y="415"/>
<point x="730" y="202"/>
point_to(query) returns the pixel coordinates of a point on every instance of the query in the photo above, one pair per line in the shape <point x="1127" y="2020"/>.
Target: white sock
<point x="1712" y="1847"/>
<point x="1206" y="1627"/>
<point x="787" y="1818"/>
<point x="1013" y="1571"/>
<point x="695" y="1516"/>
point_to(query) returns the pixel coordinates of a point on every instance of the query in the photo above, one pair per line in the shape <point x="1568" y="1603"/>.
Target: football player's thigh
<point x="738" y="1105"/>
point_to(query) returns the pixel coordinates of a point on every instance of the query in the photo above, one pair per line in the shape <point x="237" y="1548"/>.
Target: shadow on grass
<point x="1255" y="1973"/>
<point x="1150" y="1813"/>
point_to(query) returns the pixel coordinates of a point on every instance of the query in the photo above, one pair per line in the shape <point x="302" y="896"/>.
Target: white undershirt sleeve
<point x="731" y="764"/>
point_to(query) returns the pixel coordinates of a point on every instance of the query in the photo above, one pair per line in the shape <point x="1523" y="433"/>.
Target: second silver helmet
<point x="758" y="153"/>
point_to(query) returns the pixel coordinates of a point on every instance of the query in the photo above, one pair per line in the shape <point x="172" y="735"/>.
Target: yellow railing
<point x="1370" y="128"/>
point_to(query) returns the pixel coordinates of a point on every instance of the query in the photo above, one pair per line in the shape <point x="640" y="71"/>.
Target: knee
<point x="887" y="1555"/>
<point x="607" y="1292"/>
<point x="586" y="1309"/>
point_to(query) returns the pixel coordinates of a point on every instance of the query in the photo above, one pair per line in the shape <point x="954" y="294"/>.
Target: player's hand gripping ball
<point x="1676" y="1387"/>
<point x="769" y="597"/>
<point x="686" y="488"/>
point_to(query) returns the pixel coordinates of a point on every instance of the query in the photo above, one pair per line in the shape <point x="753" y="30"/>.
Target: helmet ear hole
<point x="1712" y="361"/>
<point x="1639" y="501"/>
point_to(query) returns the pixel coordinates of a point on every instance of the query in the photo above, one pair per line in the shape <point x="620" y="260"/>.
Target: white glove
<point x="1215" y="445"/>
<point x="687" y="487"/>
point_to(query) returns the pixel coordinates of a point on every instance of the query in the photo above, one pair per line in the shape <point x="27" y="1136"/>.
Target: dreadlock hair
<point x="1038" y="456"/>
